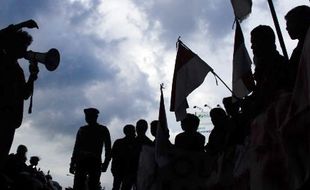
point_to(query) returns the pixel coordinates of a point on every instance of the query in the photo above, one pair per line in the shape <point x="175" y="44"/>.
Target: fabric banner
<point x="189" y="73"/>
<point x="242" y="8"/>
<point x="243" y="81"/>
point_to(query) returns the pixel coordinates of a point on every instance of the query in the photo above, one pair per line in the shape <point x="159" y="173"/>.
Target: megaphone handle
<point x="30" y="104"/>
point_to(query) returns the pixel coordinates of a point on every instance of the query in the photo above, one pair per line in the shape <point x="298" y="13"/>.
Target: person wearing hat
<point x="86" y="157"/>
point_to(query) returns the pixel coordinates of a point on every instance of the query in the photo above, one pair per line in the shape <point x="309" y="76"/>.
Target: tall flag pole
<point x="279" y="33"/>
<point x="162" y="134"/>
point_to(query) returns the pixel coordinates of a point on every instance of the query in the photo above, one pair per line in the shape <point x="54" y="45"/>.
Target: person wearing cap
<point x="86" y="157"/>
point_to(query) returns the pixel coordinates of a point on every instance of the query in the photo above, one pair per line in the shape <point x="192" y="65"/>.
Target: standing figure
<point x="190" y="139"/>
<point x="270" y="68"/>
<point x="154" y="125"/>
<point x="14" y="89"/>
<point x="218" y="137"/>
<point x="141" y="140"/>
<point x="124" y="151"/>
<point x="86" y="163"/>
<point x="297" y="24"/>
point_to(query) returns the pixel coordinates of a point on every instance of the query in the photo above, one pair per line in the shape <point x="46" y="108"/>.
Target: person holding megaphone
<point x="14" y="88"/>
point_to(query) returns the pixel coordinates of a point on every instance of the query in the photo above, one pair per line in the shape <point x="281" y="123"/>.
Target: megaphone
<point x="50" y="59"/>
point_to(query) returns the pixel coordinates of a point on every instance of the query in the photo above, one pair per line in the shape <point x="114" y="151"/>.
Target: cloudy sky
<point x="114" y="55"/>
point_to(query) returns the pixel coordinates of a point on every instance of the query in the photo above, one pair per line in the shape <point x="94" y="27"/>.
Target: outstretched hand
<point x="30" y="24"/>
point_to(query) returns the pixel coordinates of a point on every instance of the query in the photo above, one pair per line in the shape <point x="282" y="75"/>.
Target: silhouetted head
<point x="298" y="21"/>
<point x="232" y="108"/>
<point x="34" y="160"/>
<point x="141" y="127"/>
<point x="263" y="40"/>
<point x="49" y="177"/>
<point x="217" y="115"/>
<point x="21" y="150"/>
<point x="16" y="44"/>
<point x="154" y="125"/>
<point x="190" y="123"/>
<point x="129" y="130"/>
<point x="91" y="115"/>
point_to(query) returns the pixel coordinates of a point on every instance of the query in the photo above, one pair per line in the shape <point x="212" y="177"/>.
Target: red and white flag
<point x="242" y="8"/>
<point x="189" y="73"/>
<point x="243" y="81"/>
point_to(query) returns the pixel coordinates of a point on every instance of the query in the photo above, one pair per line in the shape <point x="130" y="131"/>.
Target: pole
<point x="233" y="94"/>
<point x="276" y="23"/>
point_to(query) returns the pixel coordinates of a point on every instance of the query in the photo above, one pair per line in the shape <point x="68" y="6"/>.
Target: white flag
<point x="243" y="81"/>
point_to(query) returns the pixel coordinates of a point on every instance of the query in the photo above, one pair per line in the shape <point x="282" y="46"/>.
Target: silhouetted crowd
<point x="248" y="147"/>
<point x="17" y="174"/>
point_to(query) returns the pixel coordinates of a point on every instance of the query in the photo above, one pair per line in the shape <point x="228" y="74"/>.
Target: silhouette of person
<point x="86" y="157"/>
<point x="16" y="163"/>
<point x="14" y="88"/>
<point x="32" y="168"/>
<point x="190" y="139"/>
<point x="154" y="125"/>
<point x="51" y="184"/>
<point x="270" y="68"/>
<point x="219" y="135"/>
<point x="124" y="152"/>
<point x="141" y="140"/>
<point x="297" y="24"/>
<point x="236" y="121"/>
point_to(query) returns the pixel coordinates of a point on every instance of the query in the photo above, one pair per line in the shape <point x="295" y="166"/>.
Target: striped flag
<point x="242" y="8"/>
<point x="189" y="73"/>
<point x="243" y="81"/>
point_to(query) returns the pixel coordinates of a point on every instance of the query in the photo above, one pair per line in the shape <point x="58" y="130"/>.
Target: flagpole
<point x="276" y="23"/>
<point x="233" y="94"/>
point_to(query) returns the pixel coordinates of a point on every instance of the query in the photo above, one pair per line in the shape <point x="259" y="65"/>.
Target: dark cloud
<point x="183" y="17"/>
<point x="86" y="59"/>
<point x="19" y="10"/>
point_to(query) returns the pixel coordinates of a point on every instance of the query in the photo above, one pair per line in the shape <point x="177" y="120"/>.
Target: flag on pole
<point x="189" y="73"/>
<point x="162" y="142"/>
<point x="243" y="81"/>
<point x="242" y="8"/>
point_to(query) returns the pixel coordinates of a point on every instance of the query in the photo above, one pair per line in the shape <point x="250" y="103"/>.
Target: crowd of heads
<point x="18" y="175"/>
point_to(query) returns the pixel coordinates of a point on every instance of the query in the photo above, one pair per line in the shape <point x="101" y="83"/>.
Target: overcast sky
<point x="114" y="55"/>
